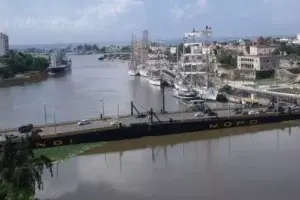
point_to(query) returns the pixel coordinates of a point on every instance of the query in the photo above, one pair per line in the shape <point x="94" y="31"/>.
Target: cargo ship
<point x="60" y="64"/>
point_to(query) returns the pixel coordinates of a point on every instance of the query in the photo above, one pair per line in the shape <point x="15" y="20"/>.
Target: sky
<point x="72" y="21"/>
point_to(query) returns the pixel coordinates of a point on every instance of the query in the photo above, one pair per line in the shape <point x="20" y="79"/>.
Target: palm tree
<point x="20" y="171"/>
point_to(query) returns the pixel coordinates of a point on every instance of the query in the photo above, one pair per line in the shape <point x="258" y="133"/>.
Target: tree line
<point x="104" y="49"/>
<point x="19" y="63"/>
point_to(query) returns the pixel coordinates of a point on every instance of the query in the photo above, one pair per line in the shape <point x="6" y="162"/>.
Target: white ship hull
<point x="144" y="72"/>
<point x="133" y="72"/>
<point x="154" y="81"/>
<point x="207" y="93"/>
<point x="184" y="95"/>
<point x="181" y="88"/>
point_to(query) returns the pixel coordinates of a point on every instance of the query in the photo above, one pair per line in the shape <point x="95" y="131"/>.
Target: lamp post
<point x="102" y="101"/>
<point x="54" y="121"/>
<point x="45" y="114"/>
<point x="118" y="106"/>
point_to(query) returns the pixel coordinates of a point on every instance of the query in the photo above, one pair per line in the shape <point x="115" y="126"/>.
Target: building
<point x="4" y="45"/>
<point x="243" y="49"/>
<point x="262" y="50"/>
<point x="258" y="63"/>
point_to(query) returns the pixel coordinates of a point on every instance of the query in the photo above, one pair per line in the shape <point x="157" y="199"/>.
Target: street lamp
<point x="118" y="105"/>
<point x="102" y="101"/>
<point x="45" y="114"/>
<point x="54" y="121"/>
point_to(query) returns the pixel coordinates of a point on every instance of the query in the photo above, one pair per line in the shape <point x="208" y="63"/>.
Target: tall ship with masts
<point x="157" y="63"/>
<point x="195" y="67"/>
<point x="133" y="70"/>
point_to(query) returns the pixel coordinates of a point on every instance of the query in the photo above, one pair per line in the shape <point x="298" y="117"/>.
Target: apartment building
<point x="258" y="63"/>
<point x="262" y="50"/>
<point x="4" y="44"/>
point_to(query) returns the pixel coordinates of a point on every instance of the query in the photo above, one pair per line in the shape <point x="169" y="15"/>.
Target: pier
<point x="137" y="124"/>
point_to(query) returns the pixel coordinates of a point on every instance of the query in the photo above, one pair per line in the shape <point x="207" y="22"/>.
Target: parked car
<point x="114" y="122"/>
<point x="84" y="122"/>
<point x="245" y="113"/>
<point x="199" y="114"/>
<point x="25" y="128"/>
<point x="212" y="113"/>
<point x="12" y="136"/>
<point x="238" y="111"/>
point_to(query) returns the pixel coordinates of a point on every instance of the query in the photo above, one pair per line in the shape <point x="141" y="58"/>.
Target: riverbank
<point x="24" y="79"/>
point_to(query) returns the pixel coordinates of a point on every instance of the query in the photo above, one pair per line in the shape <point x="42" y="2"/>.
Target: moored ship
<point x="60" y="64"/>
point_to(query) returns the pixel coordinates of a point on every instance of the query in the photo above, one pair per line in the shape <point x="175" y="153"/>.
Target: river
<point x="262" y="164"/>
<point x="78" y="95"/>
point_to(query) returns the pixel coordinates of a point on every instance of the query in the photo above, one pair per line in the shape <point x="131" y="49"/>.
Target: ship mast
<point x="207" y="32"/>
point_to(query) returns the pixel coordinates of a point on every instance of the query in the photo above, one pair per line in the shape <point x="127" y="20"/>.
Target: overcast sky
<point x="66" y="21"/>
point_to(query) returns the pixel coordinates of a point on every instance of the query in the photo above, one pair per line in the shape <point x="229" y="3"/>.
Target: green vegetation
<point x="227" y="59"/>
<point x="126" y="48"/>
<point x="88" y="47"/>
<point x="19" y="63"/>
<point x="20" y="171"/>
<point x="288" y="49"/>
<point x="227" y="89"/>
<point x="265" y="74"/>
<point x="64" y="152"/>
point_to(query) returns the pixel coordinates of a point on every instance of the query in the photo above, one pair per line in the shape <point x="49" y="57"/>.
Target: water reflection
<point x="263" y="165"/>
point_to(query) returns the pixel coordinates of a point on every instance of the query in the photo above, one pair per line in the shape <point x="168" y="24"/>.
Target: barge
<point x="138" y="130"/>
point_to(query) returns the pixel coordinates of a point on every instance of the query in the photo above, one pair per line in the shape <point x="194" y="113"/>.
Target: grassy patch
<point x="65" y="152"/>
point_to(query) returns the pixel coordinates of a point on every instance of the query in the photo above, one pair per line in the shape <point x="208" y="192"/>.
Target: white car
<point x="114" y="122"/>
<point x="253" y="112"/>
<point x="199" y="114"/>
<point x="84" y="122"/>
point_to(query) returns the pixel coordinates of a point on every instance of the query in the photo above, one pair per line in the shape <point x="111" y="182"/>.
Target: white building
<point x="258" y="63"/>
<point x="4" y="45"/>
<point x="297" y="40"/>
<point x="262" y="50"/>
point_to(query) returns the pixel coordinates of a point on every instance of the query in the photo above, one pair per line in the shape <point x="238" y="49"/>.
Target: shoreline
<point x="24" y="80"/>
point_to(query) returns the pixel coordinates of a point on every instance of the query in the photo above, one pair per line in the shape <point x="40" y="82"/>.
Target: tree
<point x="20" y="63"/>
<point x="261" y="40"/>
<point x="20" y="170"/>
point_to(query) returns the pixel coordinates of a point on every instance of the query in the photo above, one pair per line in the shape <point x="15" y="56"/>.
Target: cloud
<point x="87" y="18"/>
<point x="189" y="11"/>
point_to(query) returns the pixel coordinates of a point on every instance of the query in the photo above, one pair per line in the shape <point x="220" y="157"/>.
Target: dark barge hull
<point x="158" y="129"/>
<point x="60" y="70"/>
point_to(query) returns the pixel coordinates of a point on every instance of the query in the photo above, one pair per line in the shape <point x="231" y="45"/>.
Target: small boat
<point x="133" y="72"/>
<point x="144" y="72"/>
<point x="194" y="103"/>
<point x="184" y="95"/>
<point x="155" y="81"/>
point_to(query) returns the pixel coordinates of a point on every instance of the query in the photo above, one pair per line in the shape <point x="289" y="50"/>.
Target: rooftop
<point x="258" y="56"/>
<point x="265" y="46"/>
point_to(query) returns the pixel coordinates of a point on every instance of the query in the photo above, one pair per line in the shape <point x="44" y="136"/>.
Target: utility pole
<point x="177" y="52"/>
<point x="118" y="105"/>
<point x="54" y="121"/>
<point x="228" y="110"/>
<point x="45" y="114"/>
<point x="163" y="96"/>
<point x="102" y="101"/>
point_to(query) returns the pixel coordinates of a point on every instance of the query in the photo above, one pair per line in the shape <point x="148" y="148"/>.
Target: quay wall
<point x="139" y="130"/>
